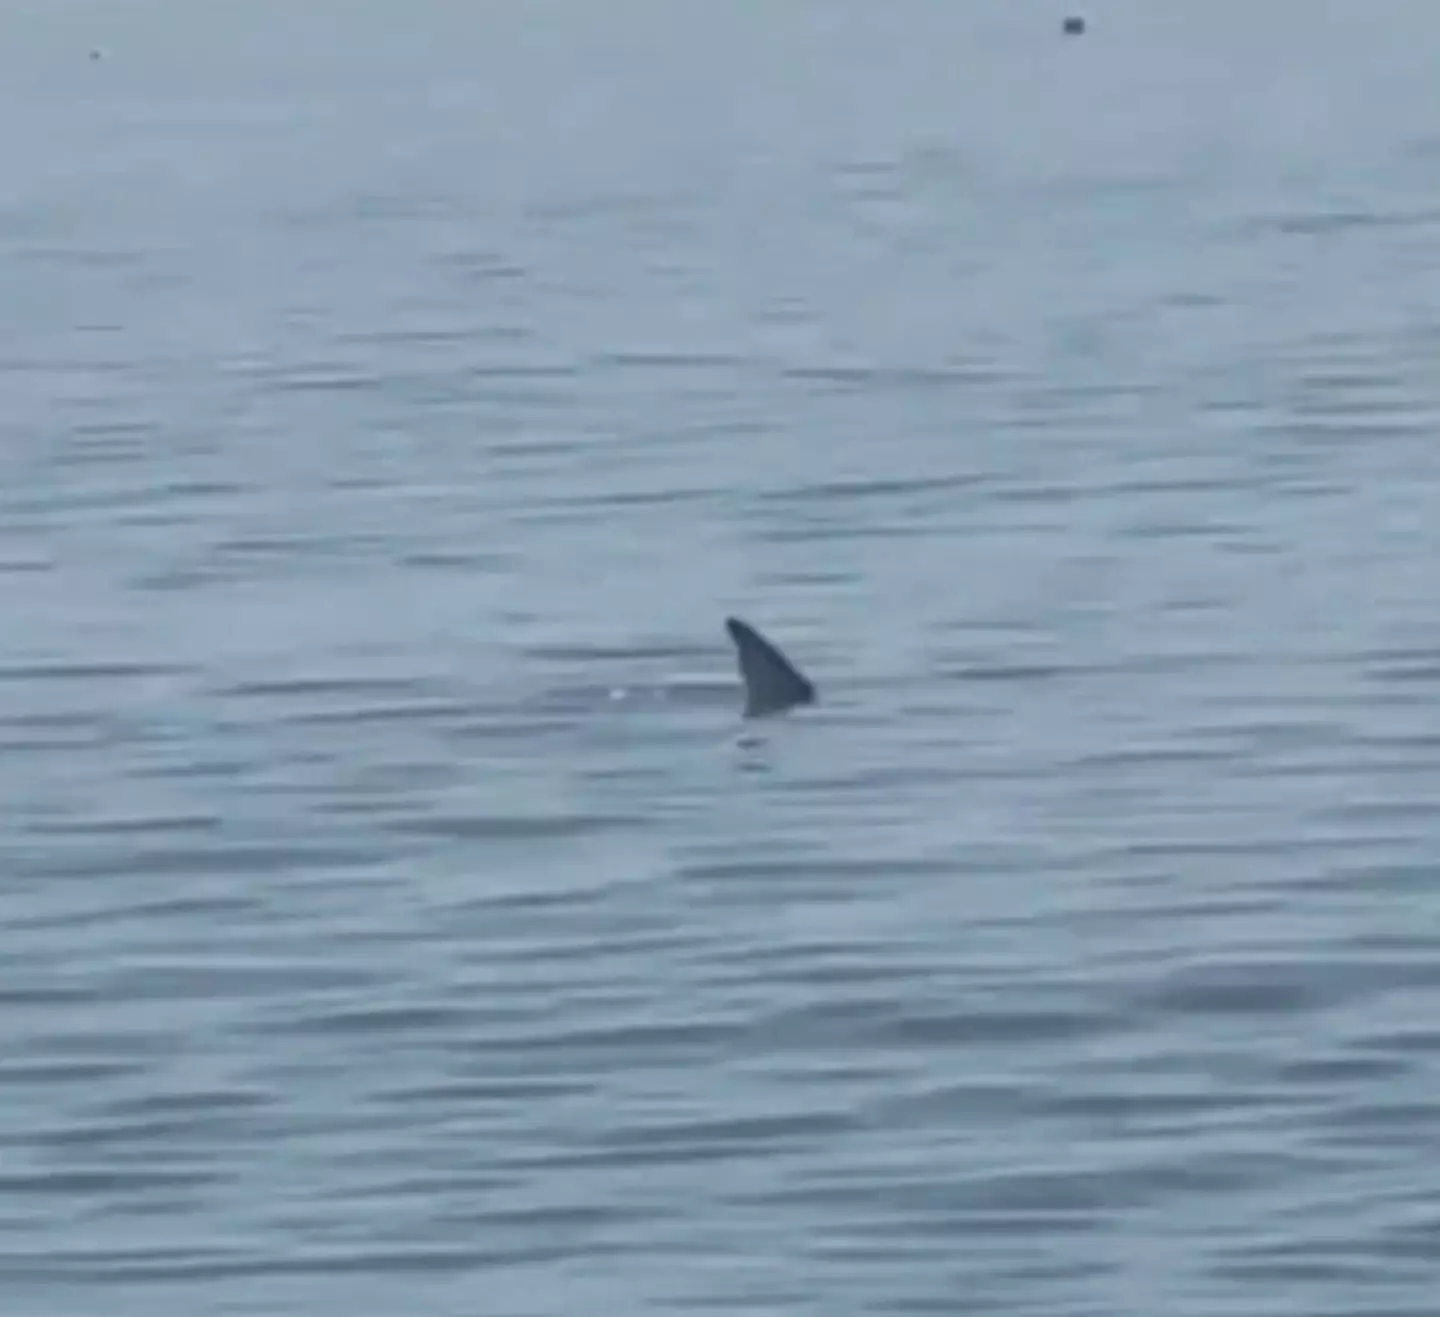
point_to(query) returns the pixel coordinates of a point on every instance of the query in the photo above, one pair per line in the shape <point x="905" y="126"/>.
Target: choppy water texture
<point x="393" y="917"/>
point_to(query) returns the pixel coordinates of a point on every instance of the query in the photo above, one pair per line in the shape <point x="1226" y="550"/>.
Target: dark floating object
<point x="1074" y="26"/>
<point x="772" y="683"/>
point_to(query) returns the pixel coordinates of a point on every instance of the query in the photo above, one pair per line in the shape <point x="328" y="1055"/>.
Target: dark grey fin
<point x="772" y="684"/>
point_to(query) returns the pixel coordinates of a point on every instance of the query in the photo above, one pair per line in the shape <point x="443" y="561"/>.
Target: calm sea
<point x="395" y="917"/>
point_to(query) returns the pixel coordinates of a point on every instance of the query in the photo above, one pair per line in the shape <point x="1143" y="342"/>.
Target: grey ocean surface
<point x="395" y="914"/>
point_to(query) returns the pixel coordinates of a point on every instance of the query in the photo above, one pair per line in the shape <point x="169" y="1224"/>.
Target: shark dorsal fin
<point x="772" y="683"/>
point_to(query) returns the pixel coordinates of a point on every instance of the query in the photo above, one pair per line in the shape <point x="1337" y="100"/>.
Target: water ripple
<point x="396" y="915"/>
